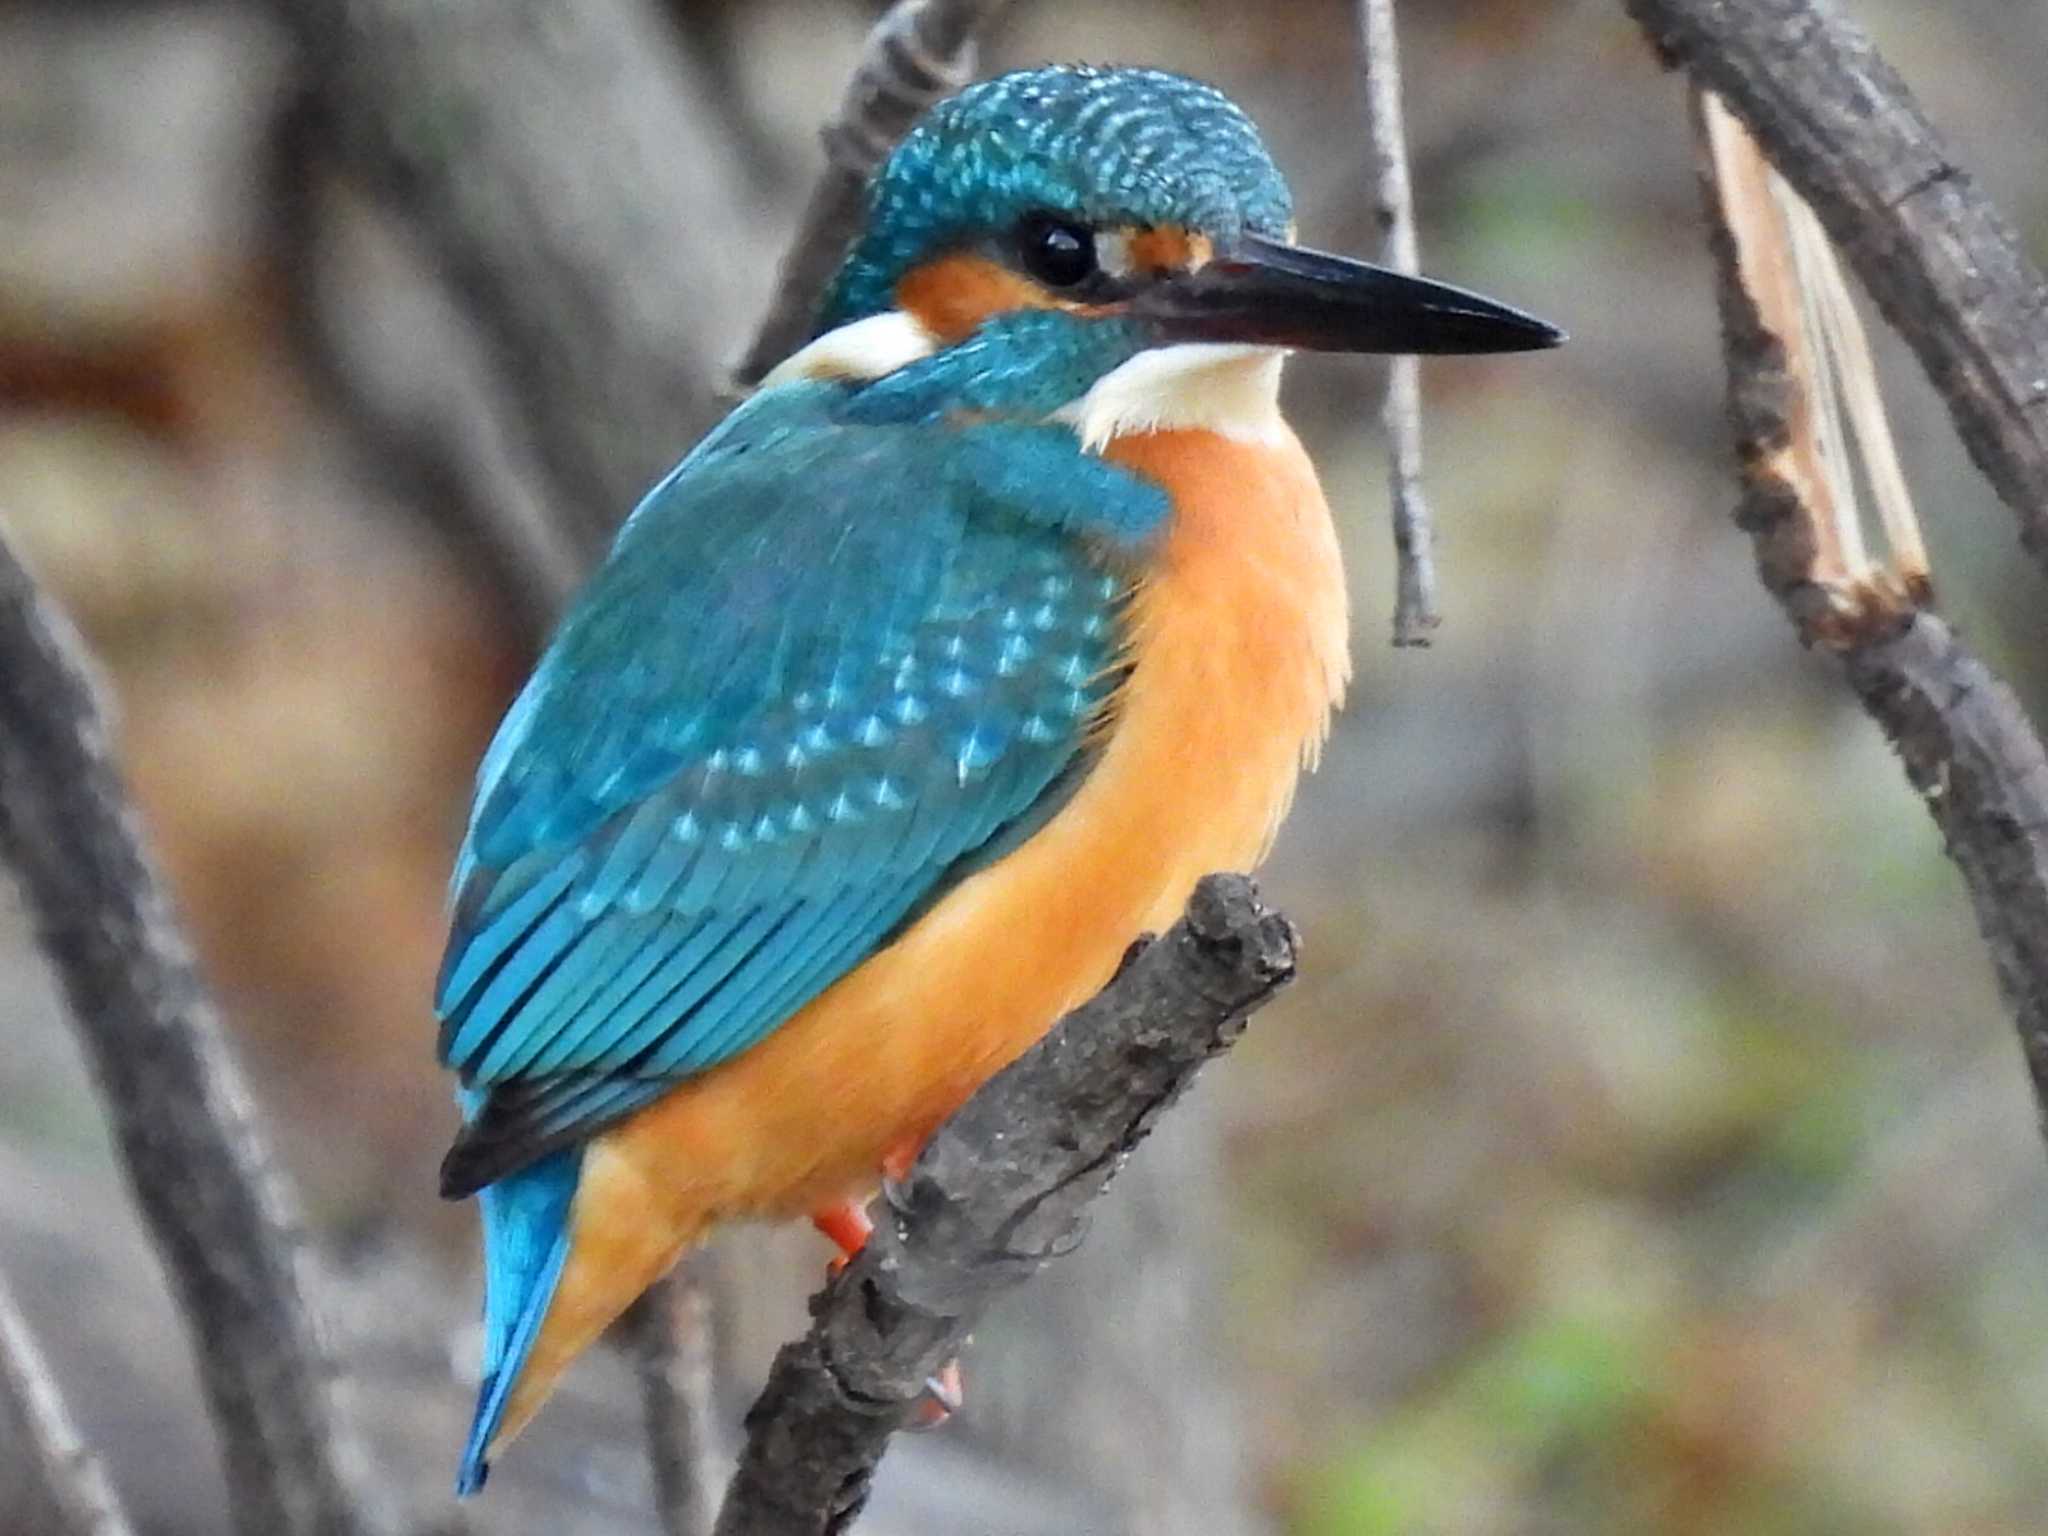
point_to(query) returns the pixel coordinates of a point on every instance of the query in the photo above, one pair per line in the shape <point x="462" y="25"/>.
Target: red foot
<point x="847" y="1224"/>
<point x="944" y="1395"/>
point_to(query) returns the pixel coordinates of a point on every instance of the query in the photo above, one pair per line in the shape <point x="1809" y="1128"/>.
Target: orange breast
<point x="1239" y="651"/>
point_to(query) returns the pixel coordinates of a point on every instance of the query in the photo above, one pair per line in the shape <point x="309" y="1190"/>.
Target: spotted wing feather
<point x="828" y="663"/>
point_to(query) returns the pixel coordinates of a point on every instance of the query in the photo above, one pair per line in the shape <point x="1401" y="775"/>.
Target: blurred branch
<point x="71" y="1488"/>
<point x="1966" y="742"/>
<point x="428" y="439"/>
<point x="1977" y="763"/>
<point x="1000" y="1189"/>
<point x="556" y="160"/>
<point x="921" y="51"/>
<point x="1941" y="262"/>
<point x="671" y="1329"/>
<point x="179" y="1113"/>
<point x="1415" y="592"/>
<point x="716" y="39"/>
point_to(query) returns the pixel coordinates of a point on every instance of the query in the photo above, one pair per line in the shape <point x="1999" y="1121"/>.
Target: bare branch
<point x="1942" y="263"/>
<point x="1976" y="761"/>
<point x="921" y="51"/>
<point x="1965" y="740"/>
<point x="70" y="1490"/>
<point x="999" y="1190"/>
<point x="180" y="1115"/>
<point x="672" y="1347"/>
<point x="1415" y="592"/>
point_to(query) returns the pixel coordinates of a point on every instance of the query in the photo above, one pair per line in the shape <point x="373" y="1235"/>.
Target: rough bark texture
<point x="999" y="1190"/>
<point x="1976" y="761"/>
<point x="921" y="51"/>
<point x="180" y="1117"/>
<point x="1941" y="262"/>
<point x="1963" y="736"/>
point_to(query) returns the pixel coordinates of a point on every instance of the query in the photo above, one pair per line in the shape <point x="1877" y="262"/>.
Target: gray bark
<point x="1942" y="264"/>
<point x="1961" y="733"/>
<point x="180" y="1115"/>
<point x="57" y="1486"/>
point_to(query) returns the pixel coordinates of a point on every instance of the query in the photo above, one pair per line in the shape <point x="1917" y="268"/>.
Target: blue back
<point x="830" y="658"/>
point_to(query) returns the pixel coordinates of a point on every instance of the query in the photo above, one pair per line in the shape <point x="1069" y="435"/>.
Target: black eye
<point x="1058" y="252"/>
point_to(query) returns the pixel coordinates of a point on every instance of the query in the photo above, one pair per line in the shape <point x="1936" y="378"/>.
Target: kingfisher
<point x="1005" y="609"/>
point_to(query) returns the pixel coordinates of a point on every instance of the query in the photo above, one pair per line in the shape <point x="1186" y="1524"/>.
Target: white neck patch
<point x="866" y="349"/>
<point x="1229" y="388"/>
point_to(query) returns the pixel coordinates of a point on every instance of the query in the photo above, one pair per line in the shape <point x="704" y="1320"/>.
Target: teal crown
<point x="1104" y="146"/>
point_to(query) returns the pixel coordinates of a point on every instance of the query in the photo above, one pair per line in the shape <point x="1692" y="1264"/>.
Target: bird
<point x="1003" y="610"/>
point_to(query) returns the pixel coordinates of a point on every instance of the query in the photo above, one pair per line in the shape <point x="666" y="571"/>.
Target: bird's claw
<point x="896" y="1192"/>
<point x="847" y="1224"/>
<point x="897" y="1164"/>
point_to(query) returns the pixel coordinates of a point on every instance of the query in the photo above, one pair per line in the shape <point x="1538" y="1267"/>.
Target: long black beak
<point x="1279" y="295"/>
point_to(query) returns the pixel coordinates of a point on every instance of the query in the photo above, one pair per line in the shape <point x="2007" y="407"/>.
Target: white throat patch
<point x="1228" y="388"/>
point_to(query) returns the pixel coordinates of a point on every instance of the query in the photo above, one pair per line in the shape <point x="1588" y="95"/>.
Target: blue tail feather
<point x="526" y="1241"/>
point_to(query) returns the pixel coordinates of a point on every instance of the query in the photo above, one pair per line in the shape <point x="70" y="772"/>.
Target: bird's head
<point x="1103" y="213"/>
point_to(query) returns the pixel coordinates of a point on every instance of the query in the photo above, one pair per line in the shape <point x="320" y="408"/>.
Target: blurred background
<point x="1644" y="1148"/>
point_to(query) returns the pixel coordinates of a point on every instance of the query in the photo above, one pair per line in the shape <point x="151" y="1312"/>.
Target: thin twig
<point x="999" y="1190"/>
<point x="1415" y="592"/>
<point x="71" y="1486"/>
<point x="672" y="1348"/>
<point x="919" y="52"/>
<point x="1942" y="263"/>
<point x="1965" y="740"/>
<point x="181" y="1118"/>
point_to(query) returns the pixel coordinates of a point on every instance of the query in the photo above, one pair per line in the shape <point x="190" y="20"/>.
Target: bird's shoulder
<point x="801" y="541"/>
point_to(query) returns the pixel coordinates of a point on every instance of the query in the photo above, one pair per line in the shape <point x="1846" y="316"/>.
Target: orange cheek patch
<point x="955" y="293"/>
<point x="1168" y="248"/>
<point x="952" y="296"/>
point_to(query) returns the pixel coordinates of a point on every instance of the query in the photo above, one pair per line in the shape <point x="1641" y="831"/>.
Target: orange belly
<point x="1238" y="640"/>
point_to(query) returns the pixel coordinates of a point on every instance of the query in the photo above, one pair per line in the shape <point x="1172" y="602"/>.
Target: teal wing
<point x="829" y="665"/>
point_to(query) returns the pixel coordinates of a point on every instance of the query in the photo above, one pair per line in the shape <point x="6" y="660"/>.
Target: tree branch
<point x="415" y="424"/>
<point x="1000" y="1189"/>
<point x="555" y="159"/>
<point x="1965" y="740"/>
<point x="921" y="51"/>
<point x="180" y="1116"/>
<point x="1977" y="763"/>
<point x="671" y="1329"/>
<point x="1941" y="262"/>
<point x="1415" y="593"/>
<point x="68" y="1493"/>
